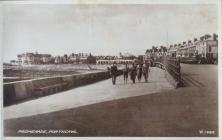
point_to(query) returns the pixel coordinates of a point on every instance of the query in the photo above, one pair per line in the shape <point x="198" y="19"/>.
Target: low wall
<point x="13" y="79"/>
<point x="15" y="92"/>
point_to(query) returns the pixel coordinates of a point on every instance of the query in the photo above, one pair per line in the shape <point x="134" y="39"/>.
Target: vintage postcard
<point x="110" y="69"/>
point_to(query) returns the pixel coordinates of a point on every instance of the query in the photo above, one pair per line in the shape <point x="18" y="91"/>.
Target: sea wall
<point x="15" y="92"/>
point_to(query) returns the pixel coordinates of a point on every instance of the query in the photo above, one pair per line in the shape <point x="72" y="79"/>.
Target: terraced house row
<point x="202" y="50"/>
<point x="198" y="50"/>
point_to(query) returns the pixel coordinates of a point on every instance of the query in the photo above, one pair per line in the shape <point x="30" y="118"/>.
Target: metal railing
<point x="159" y="65"/>
<point x="172" y="65"/>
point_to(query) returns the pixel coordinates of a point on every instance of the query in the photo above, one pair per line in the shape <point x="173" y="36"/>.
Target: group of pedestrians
<point x="135" y="71"/>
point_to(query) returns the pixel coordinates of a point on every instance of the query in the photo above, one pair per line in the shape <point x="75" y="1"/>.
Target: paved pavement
<point x="90" y="94"/>
<point x="189" y="111"/>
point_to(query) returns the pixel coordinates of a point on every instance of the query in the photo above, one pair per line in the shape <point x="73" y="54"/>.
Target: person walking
<point x="113" y="72"/>
<point x="140" y="72"/>
<point x="125" y="73"/>
<point x="133" y="73"/>
<point x="146" y="72"/>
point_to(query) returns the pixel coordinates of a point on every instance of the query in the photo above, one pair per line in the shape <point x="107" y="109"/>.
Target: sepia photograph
<point x="110" y="69"/>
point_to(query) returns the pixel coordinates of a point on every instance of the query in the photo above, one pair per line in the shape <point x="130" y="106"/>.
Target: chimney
<point x="207" y="36"/>
<point x="189" y="41"/>
<point x="202" y="38"/>
<point x="195" y="40"/>
<point x="215" y="36"/>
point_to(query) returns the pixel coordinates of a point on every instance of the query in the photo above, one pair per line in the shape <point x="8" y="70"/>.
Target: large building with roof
<point x="33" y="58"/>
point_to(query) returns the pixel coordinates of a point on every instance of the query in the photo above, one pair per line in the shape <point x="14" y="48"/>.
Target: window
<point x="209" y="48"/>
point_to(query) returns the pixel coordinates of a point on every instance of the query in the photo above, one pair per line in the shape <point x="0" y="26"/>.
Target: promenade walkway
<point x="90" y="94"/>
<point x="141" y="109"/>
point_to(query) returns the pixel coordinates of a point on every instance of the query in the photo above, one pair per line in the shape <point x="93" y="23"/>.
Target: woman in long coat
<point x="133" y="72"/>
<point x="139" y="72"/>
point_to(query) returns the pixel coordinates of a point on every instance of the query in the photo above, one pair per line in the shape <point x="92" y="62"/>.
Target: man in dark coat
<point x="113" y="72"/>
<point x="125" y="73"/>
<point x="140" y="72"/>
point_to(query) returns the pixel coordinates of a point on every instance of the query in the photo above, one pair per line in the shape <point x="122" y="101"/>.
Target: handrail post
<point x="180" y="82"/>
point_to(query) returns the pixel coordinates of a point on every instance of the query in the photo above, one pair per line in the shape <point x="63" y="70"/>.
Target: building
<point x="83" y="57"/>
<point x="155" y="53"/>
<point x="117" y="61"/>
<point x="58" y="60"/>
<point x="125" y="58"/>
<point x="205" y="47"/>
<point x="36" y="58"/>
<point x="46" y="58"/>
<point x="106" y="59"/>
<point x="172" y="50"/>
<point x="33" y="58"/>
<point x="73" y="58"/>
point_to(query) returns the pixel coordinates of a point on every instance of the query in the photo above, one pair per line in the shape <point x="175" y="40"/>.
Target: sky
<point x="60" y="29"/>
